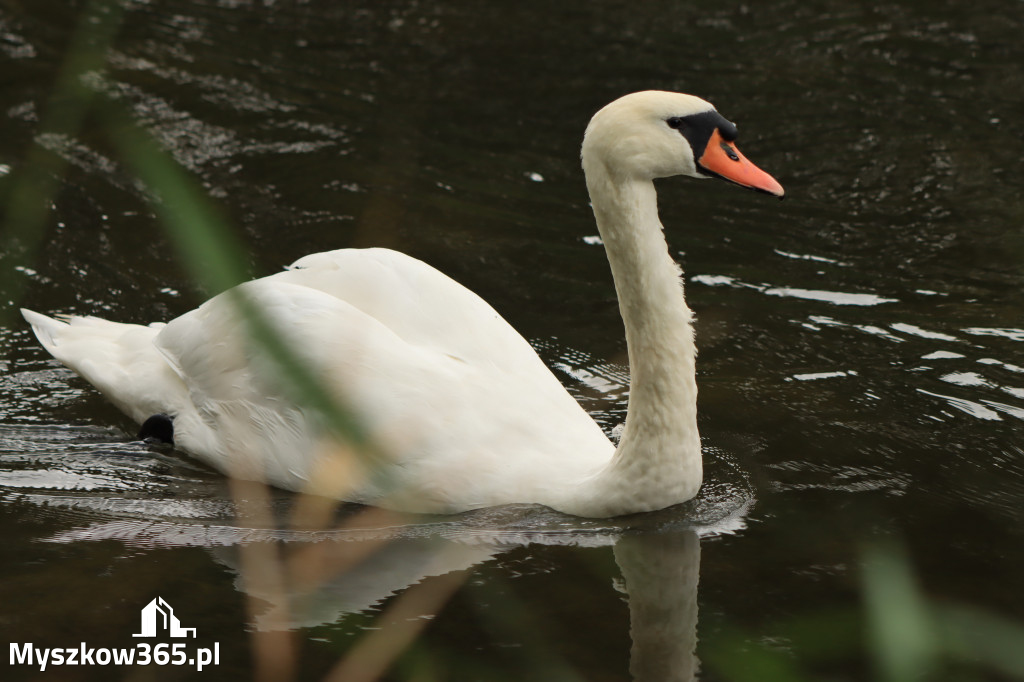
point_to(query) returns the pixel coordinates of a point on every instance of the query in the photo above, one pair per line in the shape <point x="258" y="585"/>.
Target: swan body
<point x="462" y="408"/>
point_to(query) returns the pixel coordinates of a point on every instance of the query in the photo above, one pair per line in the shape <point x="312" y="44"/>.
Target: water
<point x="861" y="343"/>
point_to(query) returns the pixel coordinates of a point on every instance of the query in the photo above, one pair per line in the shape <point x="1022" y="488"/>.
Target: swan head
<point x="656" y="134"/>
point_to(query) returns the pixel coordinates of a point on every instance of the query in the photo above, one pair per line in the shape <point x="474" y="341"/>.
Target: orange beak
<point x="721" y="158"/>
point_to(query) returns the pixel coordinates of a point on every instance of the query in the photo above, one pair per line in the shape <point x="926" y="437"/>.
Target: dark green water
<point x="861" y="344"/>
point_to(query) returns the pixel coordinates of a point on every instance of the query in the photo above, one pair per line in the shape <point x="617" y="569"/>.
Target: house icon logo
<point x="158" y="616"/>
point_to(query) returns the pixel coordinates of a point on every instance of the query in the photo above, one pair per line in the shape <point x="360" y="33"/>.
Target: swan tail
<point x="47" y="329"/>
<point x="119" y="359"/>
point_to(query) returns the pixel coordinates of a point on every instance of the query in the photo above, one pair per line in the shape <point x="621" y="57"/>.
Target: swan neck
<point x="658" y="460"/>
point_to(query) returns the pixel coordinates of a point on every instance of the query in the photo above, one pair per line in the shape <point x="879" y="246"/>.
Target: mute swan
<point x="465" y="411"/>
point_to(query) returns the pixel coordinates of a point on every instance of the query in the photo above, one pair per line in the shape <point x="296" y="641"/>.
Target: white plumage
<point x="463" y="410"/>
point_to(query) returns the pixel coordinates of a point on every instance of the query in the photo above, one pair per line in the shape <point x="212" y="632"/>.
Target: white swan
<point x="465" y="411"/>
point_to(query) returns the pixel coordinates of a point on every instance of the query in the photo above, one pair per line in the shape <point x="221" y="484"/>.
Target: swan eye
<point x="675" y="122"/>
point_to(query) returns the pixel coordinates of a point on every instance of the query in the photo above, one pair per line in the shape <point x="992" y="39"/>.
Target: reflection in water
<point x="661" y="574"/>
<point x="330" y="580"/>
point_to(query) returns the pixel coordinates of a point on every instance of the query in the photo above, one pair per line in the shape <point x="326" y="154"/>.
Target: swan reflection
<point x="661" y="572"/>
<point x="359" y="570"/>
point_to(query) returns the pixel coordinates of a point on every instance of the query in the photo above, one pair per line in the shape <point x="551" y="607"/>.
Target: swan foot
<point x="158" y="429"/>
